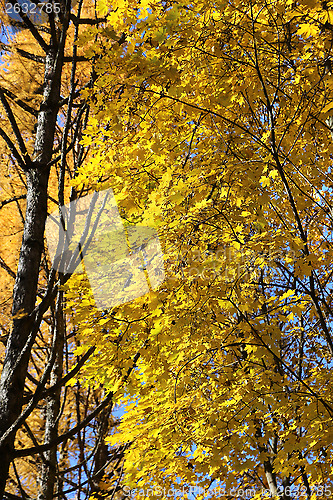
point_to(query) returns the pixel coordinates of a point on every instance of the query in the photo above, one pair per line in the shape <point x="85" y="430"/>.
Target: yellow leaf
<point x="308" y="30"/>
<point x="327" y="107"/>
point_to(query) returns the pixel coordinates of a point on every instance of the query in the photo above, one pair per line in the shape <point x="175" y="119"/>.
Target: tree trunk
<point x="49" y="466"/>
<point x="24" y="296"/>
<point x="102" y="452"/>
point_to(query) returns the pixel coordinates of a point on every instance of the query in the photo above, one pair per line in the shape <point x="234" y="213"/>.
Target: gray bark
<point x="26" y="316"/>
<point x="49" y="466"/>
<point x="24" y="296"/>
<point x="101" y="457"/>
<point x="268" y="467"/>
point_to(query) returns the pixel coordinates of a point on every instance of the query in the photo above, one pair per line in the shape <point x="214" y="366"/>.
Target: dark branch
<point x="10" y="496"/>
<point x="32" y="57"/>
<point x="77" y="93"/>
<point x="68" y="59"/>
<point x="22" y="25"/>
<point x="67" y="377"/>
<point x="67" y="435"/>
<point x="16" y="198"/>
<point x="77" y="21"/>
<point x="13" y="149"/>
<point x="19" y="102"/>
<point x="29" y="24"/>
<point x="7" y="268"/>
<point x="14" y="126"/>
<point x="23" y="53"/>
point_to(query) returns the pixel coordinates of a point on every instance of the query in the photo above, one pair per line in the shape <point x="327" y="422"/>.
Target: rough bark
<point x="101" y="457"/>
<point x="49" y="467"/>
<point x="19" y="342"/>
<point x="24" y="296"/>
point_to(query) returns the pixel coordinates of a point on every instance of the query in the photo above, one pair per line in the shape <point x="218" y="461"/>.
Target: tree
<point x="53" y="436"/>
<point x="212" y="123"/>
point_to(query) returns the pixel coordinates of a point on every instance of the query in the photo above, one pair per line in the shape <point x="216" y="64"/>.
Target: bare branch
<point x="77" y="21"/>
<point x="28" y="24"/>
<point x="32" y="57"/>
<point x="19" y="102"/>
<point x="14" y="126"/>
<point x="67" y="377"/>
<point x="13" y="149"/>
<point x="69" y="59"/>
<point x="7" y="268"/>
<point x="67" y="435"/>
<point x="16" y="198"/>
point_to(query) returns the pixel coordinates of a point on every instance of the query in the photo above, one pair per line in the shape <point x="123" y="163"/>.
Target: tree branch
<point x="77" y="21"/>
<point x="31" y="27"/>
<point x="13" y="149"/>
<point x="7" y="268"/>
<point x="67" y="377"/>
<point x="68" y="59"/>
<point x="19" y="102"/>
<point x="22" y="25"/>
<point x="10" y="496"/>
<point x="16" y="198"/>
<point x="14" y="126"/>
<point x="67" y="435"/>
<point x="76" y="94"/>
<point x="32" y="57"/>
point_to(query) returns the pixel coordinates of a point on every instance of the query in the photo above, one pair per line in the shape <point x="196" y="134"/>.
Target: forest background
<point x="211" y="123"/>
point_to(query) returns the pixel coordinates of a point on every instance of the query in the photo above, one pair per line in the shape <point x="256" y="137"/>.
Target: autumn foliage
<point x="59" y="449"/>
<point x="211" y="122"/>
